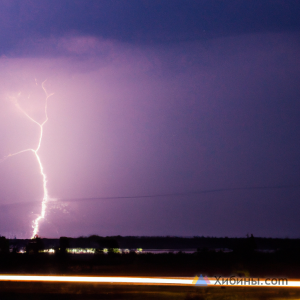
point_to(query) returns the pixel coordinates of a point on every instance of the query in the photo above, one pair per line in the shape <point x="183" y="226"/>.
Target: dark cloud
<point x="148" y="21"/>
<point x="152" y="97"/>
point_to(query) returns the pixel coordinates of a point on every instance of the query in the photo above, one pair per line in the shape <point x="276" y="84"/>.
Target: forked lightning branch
<point x="35" y="151"/>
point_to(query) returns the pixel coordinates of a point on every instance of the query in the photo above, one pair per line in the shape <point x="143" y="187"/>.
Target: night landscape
<point x="149" y="149"/>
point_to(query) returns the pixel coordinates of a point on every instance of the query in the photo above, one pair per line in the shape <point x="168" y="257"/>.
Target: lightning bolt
<point x="35" y="151"/>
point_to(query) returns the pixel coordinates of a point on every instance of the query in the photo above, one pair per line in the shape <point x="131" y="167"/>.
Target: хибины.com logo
<point x="201" y="280"/>
<point x="237" y="281"/>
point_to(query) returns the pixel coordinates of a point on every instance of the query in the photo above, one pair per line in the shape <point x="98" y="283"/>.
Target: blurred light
<point x="176" y="281"/>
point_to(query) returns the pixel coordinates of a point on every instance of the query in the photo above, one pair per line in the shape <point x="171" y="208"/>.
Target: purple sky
<point x="151" y="105"/>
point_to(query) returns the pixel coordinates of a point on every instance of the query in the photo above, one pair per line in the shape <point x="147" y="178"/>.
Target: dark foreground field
<point x="279" y="264"/>
<point x="248" y="264"/>
<point x="75" y="291"/>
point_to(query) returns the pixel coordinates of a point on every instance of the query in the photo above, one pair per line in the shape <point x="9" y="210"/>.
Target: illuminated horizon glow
<point x="41" y="216"/>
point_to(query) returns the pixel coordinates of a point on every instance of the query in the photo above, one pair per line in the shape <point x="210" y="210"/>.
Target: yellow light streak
<point x="41" y="216"/>
<point x="174" y="281"/>
<point x="102" y="279"/>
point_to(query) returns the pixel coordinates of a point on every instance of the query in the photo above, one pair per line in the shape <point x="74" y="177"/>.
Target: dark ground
<point x="244" y="260"/>
<point x="57" y="291"/>
<point x="253" y="264"/>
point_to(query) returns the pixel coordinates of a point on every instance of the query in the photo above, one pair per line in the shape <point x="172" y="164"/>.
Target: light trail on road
<point x="178" y="281"/>
<point x="170" y="281"/>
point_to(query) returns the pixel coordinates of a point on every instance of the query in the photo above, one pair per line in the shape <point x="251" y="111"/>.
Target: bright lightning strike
<point x="41" y="216"/>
